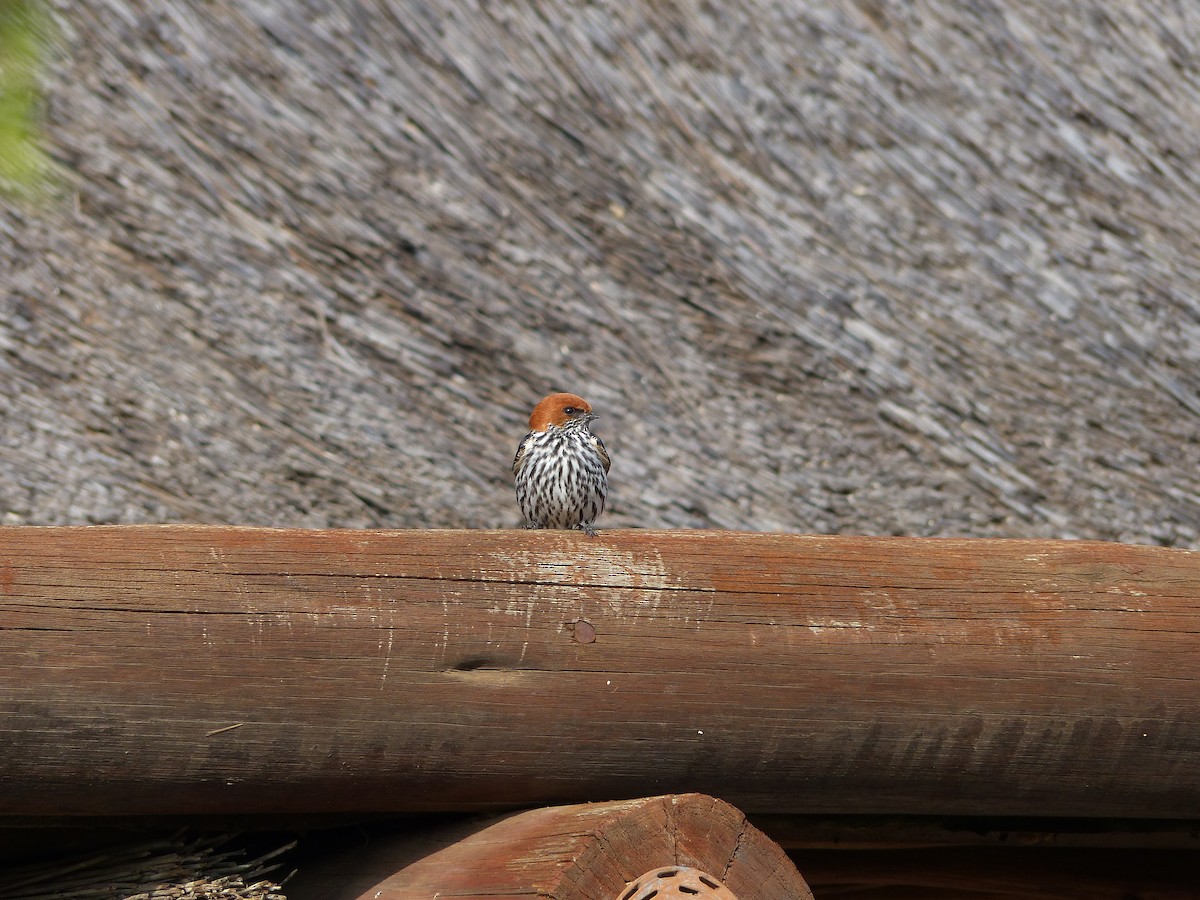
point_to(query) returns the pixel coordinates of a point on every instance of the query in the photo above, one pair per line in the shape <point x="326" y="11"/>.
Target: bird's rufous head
<point x="559" y="409"/>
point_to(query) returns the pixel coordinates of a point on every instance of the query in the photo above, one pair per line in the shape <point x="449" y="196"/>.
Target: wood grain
<point x="583" y="852"/>
<point x="193" y="669"/>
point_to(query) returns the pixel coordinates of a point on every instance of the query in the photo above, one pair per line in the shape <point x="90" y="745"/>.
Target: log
<point x="584" y="852"/>
<point x="195" y="669"/>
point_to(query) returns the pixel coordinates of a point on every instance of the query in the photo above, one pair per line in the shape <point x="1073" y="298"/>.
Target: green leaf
<point x="24" y="37"/>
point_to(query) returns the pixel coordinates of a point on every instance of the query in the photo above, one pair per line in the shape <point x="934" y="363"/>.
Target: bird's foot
<point x="587" y="528"/>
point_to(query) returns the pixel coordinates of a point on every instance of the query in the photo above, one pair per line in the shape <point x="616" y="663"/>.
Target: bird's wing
<point x="602" y="451"/>
<point x="520" y="457"/>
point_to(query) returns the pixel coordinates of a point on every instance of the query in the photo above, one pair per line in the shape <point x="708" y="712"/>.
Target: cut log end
<point x="623" y="850"/>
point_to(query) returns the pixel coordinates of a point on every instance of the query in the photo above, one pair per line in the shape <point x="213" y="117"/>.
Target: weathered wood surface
<point x="197" y="669"/>
<point x="871" y="267"/>
<point x="585" y="852"/>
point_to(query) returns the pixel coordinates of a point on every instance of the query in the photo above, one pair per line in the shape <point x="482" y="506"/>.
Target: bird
<point x="561" y="468"/>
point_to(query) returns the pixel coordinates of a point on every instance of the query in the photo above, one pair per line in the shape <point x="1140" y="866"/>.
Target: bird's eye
<point x="570" y="410"/>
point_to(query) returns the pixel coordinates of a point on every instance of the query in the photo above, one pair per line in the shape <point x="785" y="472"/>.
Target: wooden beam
<point x="594" y="851"/>
<point x="188" y="669"/>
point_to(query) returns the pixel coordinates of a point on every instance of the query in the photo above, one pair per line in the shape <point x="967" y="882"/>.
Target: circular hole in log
<point x="678" y="883"/>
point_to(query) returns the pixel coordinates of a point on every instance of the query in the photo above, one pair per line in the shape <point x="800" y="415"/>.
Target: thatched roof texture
<point x="867" y="267"/>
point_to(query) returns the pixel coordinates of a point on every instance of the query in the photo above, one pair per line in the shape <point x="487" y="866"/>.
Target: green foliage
<point x="24" y="29"/>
